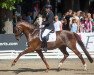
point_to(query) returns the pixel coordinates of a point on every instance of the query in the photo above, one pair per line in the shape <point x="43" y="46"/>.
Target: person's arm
<point x="49" y="20"/>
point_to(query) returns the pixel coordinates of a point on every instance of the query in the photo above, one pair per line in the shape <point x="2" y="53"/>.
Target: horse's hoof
<point x="12" y="65"/>
<point x="46" y="70"/>
<point x="58" y="69"/>
<point x="85" y="67"/>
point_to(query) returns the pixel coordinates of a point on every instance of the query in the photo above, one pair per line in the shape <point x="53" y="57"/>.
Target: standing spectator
<point x="24" y="17"/>
<point x="14" y="20"/>
<point x="19" y="19"/>
<point x="93" y="22"/>
<point x="35" y="11"/>
<point x="74" y="26"/>
<point x="88" y="23"/>
<point x="93" y="17"/>
<point x="64" y="24"/>
<point x="57" y="24"/>
<point x="67" y="17"/>
<point x="77" y="20"/>
<point x="82" y="19"/>
<point x="28" y="18"/>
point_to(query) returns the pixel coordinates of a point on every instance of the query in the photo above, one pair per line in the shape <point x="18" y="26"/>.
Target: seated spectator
<point x="57" y="24"/>
<point x="74" y="26"/>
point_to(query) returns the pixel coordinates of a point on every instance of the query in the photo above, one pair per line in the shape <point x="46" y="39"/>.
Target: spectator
<point x="82" y="19"/>
<point x="88" y="23"/>
<point x="93" y="22"/>
<point x="57" y="24"/>
<point x="28" y="18"/>
<point x="14" y="20"/>
<point x="77" y="20"/>
<point x="93" y="17"/>
<point x="68" y="15"/>
<point x="64" y="24"/>
<point x="19" y="19"/>
<point x="74" y="26"/>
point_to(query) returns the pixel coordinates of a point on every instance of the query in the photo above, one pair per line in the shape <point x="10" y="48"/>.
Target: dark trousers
<point x="44" y="43"/>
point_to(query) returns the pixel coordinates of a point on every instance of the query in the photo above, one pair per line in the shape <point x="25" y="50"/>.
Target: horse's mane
<point x="26" y="24"/>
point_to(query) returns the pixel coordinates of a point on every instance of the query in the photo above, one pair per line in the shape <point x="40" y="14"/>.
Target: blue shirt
<point x="74" y="27"/>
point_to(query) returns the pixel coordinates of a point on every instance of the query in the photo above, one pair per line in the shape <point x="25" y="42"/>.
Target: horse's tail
<point x="83" y="47"/>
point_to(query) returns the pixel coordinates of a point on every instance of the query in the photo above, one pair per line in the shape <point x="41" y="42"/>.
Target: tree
<point x="9" y="4"/>
<point x="6" y="7"/>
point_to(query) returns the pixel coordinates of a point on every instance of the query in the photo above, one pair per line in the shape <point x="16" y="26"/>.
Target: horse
<point x="63" y="39"/>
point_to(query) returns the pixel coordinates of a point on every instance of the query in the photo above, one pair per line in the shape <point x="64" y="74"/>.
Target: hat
<point x="48" y="6"/>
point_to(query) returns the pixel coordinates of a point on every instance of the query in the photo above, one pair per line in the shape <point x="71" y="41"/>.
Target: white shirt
<point x="57" y="25"/>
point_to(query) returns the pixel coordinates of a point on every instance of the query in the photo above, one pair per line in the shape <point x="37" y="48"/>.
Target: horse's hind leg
<point x="66" y="54"/>
<point x="75" y="50"/>
<point x="80" y="57"/>
<point x="43" y="59"/>
<point x="28" y="50"/>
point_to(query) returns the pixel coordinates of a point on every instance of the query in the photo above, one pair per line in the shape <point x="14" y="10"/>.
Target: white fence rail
<point x="11" y="54"/>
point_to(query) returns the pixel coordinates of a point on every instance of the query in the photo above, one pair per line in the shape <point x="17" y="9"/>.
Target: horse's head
<point x="18" y="32"/>
<point x="23" y="28"/>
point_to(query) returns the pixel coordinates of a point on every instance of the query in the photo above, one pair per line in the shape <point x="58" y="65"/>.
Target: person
<point x="28" y="18"/>
<point x="48" y="25"/>
<point x="74" y="26"/>
<point x="57" y="24"/>
<point x="14" y="20"/>
<point x="68" y="15"/>
<point x="88" y="23"/>
<point x="74" y="16"/>
<point x="64" y="24"/>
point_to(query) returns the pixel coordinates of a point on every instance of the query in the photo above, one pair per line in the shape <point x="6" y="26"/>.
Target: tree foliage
<point x="9" y="4"/>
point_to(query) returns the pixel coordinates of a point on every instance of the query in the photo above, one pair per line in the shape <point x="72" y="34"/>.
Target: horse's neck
<point x="27" y="34"/>
<point x="31" y="34"/>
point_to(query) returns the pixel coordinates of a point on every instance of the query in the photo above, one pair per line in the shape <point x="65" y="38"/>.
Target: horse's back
<point x="65" y="37"/>
<point x="65" y="33"/>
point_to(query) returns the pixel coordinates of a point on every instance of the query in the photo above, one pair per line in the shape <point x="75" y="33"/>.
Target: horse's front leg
<point x="28" y="50"/>
<point x="43" y="59"/>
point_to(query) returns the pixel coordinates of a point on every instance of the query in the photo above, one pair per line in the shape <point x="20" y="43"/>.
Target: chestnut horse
<point x="63" y="39"/>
